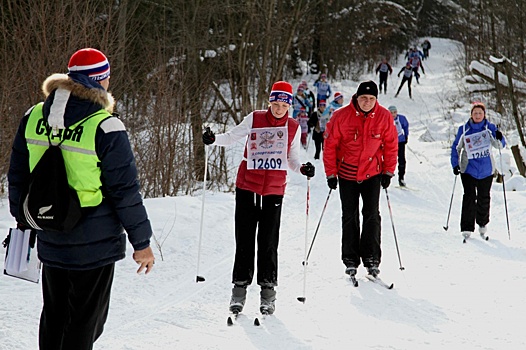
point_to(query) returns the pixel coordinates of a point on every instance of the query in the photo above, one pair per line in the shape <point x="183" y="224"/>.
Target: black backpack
<point x="49" y="203"/>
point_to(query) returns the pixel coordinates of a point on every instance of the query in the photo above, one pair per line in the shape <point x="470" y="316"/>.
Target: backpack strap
<point x="83" y="121"/>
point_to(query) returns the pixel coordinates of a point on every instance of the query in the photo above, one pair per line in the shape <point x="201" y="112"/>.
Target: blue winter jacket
<point x="99" y="238"/>
<point x="405" y="127"/>
<point x="479" y="168"/>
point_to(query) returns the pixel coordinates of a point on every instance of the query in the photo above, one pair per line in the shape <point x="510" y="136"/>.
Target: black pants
<point x="76" y="305"/>
<point x="367" y="244"/>
<point x="401" y="160"/>
<point x="475" y="202"/>
<point x="404" y="79"/>
<point x="261" y="213"/>
<point x="318" y="143"/>
<point x="383" y="81"/>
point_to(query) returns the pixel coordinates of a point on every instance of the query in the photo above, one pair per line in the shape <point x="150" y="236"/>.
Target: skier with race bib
<point x="272" y="148"/>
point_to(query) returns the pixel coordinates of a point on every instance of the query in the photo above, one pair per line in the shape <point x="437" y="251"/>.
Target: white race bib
<point x="267" y="148"/>
<point x="399" y="128"/>
<point x="478" y="145"/>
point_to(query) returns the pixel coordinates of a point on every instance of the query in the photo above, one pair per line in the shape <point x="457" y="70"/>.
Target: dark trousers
<point x="401" y="160"/>
<point x="367" y="244"/>
<point x="318" y="143"/>
<point x="76" y="305"/>
<point x="475" y="202"/>
<point x="383" y="81"/>
<point x="404" y="79"/>
<point x="261" y="213"/>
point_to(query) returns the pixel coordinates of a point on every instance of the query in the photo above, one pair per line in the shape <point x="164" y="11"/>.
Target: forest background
<point x="177" y="65"/>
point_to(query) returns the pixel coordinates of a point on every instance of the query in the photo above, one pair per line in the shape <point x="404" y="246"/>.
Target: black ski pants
<point x="261" y="214"/>
<point x="367" y="244"/>
<point x="76" y="304"/>
<point x="318" y="143"/>
<point x="475" y="202"/>
<point x="401" y="160"/>
<point x="383" y="81"/>
<point x="404" y="79"/>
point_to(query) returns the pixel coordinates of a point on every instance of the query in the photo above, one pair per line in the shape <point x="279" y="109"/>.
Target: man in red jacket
<point x="361" y="147"/>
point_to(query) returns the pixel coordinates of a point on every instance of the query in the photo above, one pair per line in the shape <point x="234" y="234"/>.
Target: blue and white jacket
<point x="402" y="127"/>
<point x="481" y="166"/>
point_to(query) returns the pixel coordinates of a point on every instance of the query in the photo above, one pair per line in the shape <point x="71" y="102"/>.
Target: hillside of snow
<point x="449" y="295"/>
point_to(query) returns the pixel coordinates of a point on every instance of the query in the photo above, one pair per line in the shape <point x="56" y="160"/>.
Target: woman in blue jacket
<point x="471" y="157"/>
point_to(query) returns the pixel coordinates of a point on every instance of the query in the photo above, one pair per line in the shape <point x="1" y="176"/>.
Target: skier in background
<point x="323" y="88"/>
<point x="317" y="121"/>
<point x="408" y="76"/>
<point x="385" y="69"/>
<point x="402" y="128"/>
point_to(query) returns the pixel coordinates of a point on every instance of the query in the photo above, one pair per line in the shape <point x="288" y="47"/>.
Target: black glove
<point x="498" y="135"/>
<point x="209" y="137"/>
<point x="456" y="170"/>
<point x="307" y="169"/>
<point x="385" y="181"/>
<point x="22" y="227"/>
<point x="332" y="182"/>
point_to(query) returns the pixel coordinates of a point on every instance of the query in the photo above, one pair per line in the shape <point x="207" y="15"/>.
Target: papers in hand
<point x="21" y="260"/>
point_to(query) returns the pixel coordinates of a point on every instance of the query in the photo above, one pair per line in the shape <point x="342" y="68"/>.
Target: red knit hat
<point x="281" y="92"/>
<point x="337" y="95"/>
<point x="90" y="62"/>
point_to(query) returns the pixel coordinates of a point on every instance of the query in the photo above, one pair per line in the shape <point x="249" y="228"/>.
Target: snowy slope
<point x="450" y="295"/>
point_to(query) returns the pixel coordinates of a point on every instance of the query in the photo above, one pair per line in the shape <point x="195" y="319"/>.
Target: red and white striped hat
<point x="90" y="62"/>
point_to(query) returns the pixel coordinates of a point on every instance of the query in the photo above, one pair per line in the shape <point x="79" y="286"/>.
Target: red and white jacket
<point x="264" y="182"/>
<point x="359" y="146"/>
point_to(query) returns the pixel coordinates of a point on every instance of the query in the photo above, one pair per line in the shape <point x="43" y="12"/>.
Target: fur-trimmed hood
<point x="72" y="97"/>
<point x="94" y="93"/>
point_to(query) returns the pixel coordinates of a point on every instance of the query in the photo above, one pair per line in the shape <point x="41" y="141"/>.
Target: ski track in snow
<point x="450" y="294"/>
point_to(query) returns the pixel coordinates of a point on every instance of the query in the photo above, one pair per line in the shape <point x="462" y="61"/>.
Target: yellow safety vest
<point x="78" y="150"/>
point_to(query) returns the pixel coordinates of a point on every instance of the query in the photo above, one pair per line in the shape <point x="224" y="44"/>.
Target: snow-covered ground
<point x="449" y="296"/>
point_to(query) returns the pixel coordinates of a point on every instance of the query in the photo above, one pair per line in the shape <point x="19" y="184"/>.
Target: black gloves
<point x="498" y="135"/>
<point x="22" y="227"/>
<point x="307" y="169"/>
<point x="456" y="170"/>
<point x="385" y="180"/>
<point x="209" y="137"/>
<point x="332" y="182"/>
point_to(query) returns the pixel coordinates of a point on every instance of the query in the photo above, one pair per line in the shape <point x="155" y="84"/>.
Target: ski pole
<point x="394" y="232"/>
<point x="317" y="228"/>
<point x="199" y="278"/>
<point x="504" y="192"/>
<point x="303" y="298"/>
<point x="450" y="203"/>
<point x="414" y="154"/>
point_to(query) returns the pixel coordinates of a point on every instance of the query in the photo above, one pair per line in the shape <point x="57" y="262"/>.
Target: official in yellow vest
<point x="78" y="266"/>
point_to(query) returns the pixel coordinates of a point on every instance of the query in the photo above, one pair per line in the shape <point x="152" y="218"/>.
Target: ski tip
<point x="391" y="286"/>
<point x="464" y="241"/>
<point x="229" y="321"/>
<point x="487" y="238"/>
<point x="256" y="322"/>
<point x="301" y="299"/>
<point x="199" y="279"/>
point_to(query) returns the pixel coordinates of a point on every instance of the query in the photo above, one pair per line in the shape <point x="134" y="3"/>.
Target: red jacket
<point x="267" y="182"/>
<point x="357" y="146"/>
